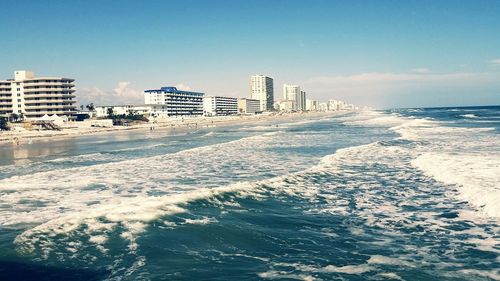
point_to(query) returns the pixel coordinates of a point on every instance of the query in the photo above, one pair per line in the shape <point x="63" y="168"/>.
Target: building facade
<point x="293" y="93"/>
<point x="285" y="105"/>
<point x="290" y="92"/>
<point x="217" y="106"/>
<point x="248" y="106"/>
<point x="104" y="110"/>
<point x="301" y="101"/>
<point x="262" y="89"/>
<point x="170" y="102"/>
<point x="312" y="105"/>
<point x="34" y="97"/>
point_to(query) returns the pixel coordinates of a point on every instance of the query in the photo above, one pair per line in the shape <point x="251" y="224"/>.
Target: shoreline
<point x="9" y="137"/>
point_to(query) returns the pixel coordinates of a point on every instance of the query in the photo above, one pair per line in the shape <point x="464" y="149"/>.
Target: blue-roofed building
<point x="171" y="102"/>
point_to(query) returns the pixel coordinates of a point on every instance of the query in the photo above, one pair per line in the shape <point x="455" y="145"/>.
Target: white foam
<point x="201" y="221"/>
<point x="378" y="259"/>
<point x="476" y="176"/>
<point x="382" y="121"/>
<point x="95" y="200"/>
<point x="348" y="269"/>
<point x="469" y="116"/>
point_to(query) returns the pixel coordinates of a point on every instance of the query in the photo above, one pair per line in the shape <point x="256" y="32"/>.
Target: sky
<point x="382" y="54"/>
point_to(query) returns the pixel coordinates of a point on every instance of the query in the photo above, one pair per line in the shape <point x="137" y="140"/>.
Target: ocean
<point x="404" y="194"/>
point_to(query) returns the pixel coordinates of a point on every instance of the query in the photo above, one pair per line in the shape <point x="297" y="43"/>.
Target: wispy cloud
<point x="421" y="70"/>
<point x="389" y="77"/>
<point x="388" y="88"/>
<point x="495" y="62"/>
<point x="122" y="94"/>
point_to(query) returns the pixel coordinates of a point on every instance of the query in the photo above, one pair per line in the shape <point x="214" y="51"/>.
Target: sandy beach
<point x="177" y="124"/>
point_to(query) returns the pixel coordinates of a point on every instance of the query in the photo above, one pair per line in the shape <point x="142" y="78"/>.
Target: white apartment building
<point x="285" y="105"/>
<point x="103" y="110"/>
<point x="312" y="105"/>
<point x="293" y="93"/>
<point x="170" y="102"/>
<point x="217" y="106"/>
<point x="336" y="105"/>
<point x="290" y="92"/>
<point x="35" y="97"/>
<point x="248" y="106"/>
<point x="323" y="107"/>
<point x="262" y="89"/>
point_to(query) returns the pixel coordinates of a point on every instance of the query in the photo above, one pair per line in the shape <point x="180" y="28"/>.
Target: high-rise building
<point x="262" y="89"/>
<point x="293" y="93"/>
<point x="290" y="92"/>
<point x="34" y="97"/>
<point x="301" y="101"/>
<point x="170" y="102"/>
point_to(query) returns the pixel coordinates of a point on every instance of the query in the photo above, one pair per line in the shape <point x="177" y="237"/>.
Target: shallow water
<point x="404" y="195"/>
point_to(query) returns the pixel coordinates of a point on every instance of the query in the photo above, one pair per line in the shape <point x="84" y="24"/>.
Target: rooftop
<point x="173" y="90"/>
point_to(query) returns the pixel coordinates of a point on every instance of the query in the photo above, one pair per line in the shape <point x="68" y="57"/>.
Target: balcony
<point x="48" y="82"/>
<point x="55" y="97"/>
<point x="45" y="89"/>
<point x="46" y="106"/>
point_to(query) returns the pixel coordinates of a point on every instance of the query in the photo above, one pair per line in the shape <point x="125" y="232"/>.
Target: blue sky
<point x="376" y="53"/>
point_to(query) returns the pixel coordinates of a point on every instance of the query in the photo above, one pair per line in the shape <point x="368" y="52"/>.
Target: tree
<point x="4" y="126"/>
<point x="110" y="112"/>
<point x="90" y="106"/>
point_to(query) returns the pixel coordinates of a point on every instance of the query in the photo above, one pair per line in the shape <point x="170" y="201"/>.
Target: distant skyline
<point x="371" y="53"/>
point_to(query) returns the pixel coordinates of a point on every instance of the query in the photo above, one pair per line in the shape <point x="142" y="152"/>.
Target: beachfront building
<point x="217" y="106"/>
<point x="285" y="105"/>
<point x="301" y="101"/>
<point x="262" y="89"/>
<point x="323" y="106"/>
<point x="336" y="105"/>
<point x="312" y="105"/>
<point x="170" y="102"/>
<point x="290" y="92"/>
<point x="33" y="97"/>
<point x="293" y="93"/>
<point x="102" y="111"/>
<point x="248" y="106"/>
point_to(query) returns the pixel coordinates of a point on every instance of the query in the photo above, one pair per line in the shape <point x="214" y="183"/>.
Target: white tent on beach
<point x="58" y="120"/>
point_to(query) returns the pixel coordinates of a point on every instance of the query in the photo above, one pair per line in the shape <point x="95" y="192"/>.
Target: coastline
<point x="9" y="137"/>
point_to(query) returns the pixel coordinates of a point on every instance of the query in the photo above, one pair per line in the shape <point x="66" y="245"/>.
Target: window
<point x="18" y="94"/>
<point x="18" y="89"/>
<point x="18" y="105"/>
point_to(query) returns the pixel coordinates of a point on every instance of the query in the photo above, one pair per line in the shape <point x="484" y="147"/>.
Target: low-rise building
<point x="323" y="107"/>
<point x="248" y="106"/>
<point x="312" y="105"/>
<point x="217" y="106"/>
<point x="105" y="110"/>
<point x="286" y="105"/>
<point x="170" y="102"/>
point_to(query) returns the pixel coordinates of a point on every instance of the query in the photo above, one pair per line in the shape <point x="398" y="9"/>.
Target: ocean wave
<point x="470" y="115"/>
<point x="476" y="176"/>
